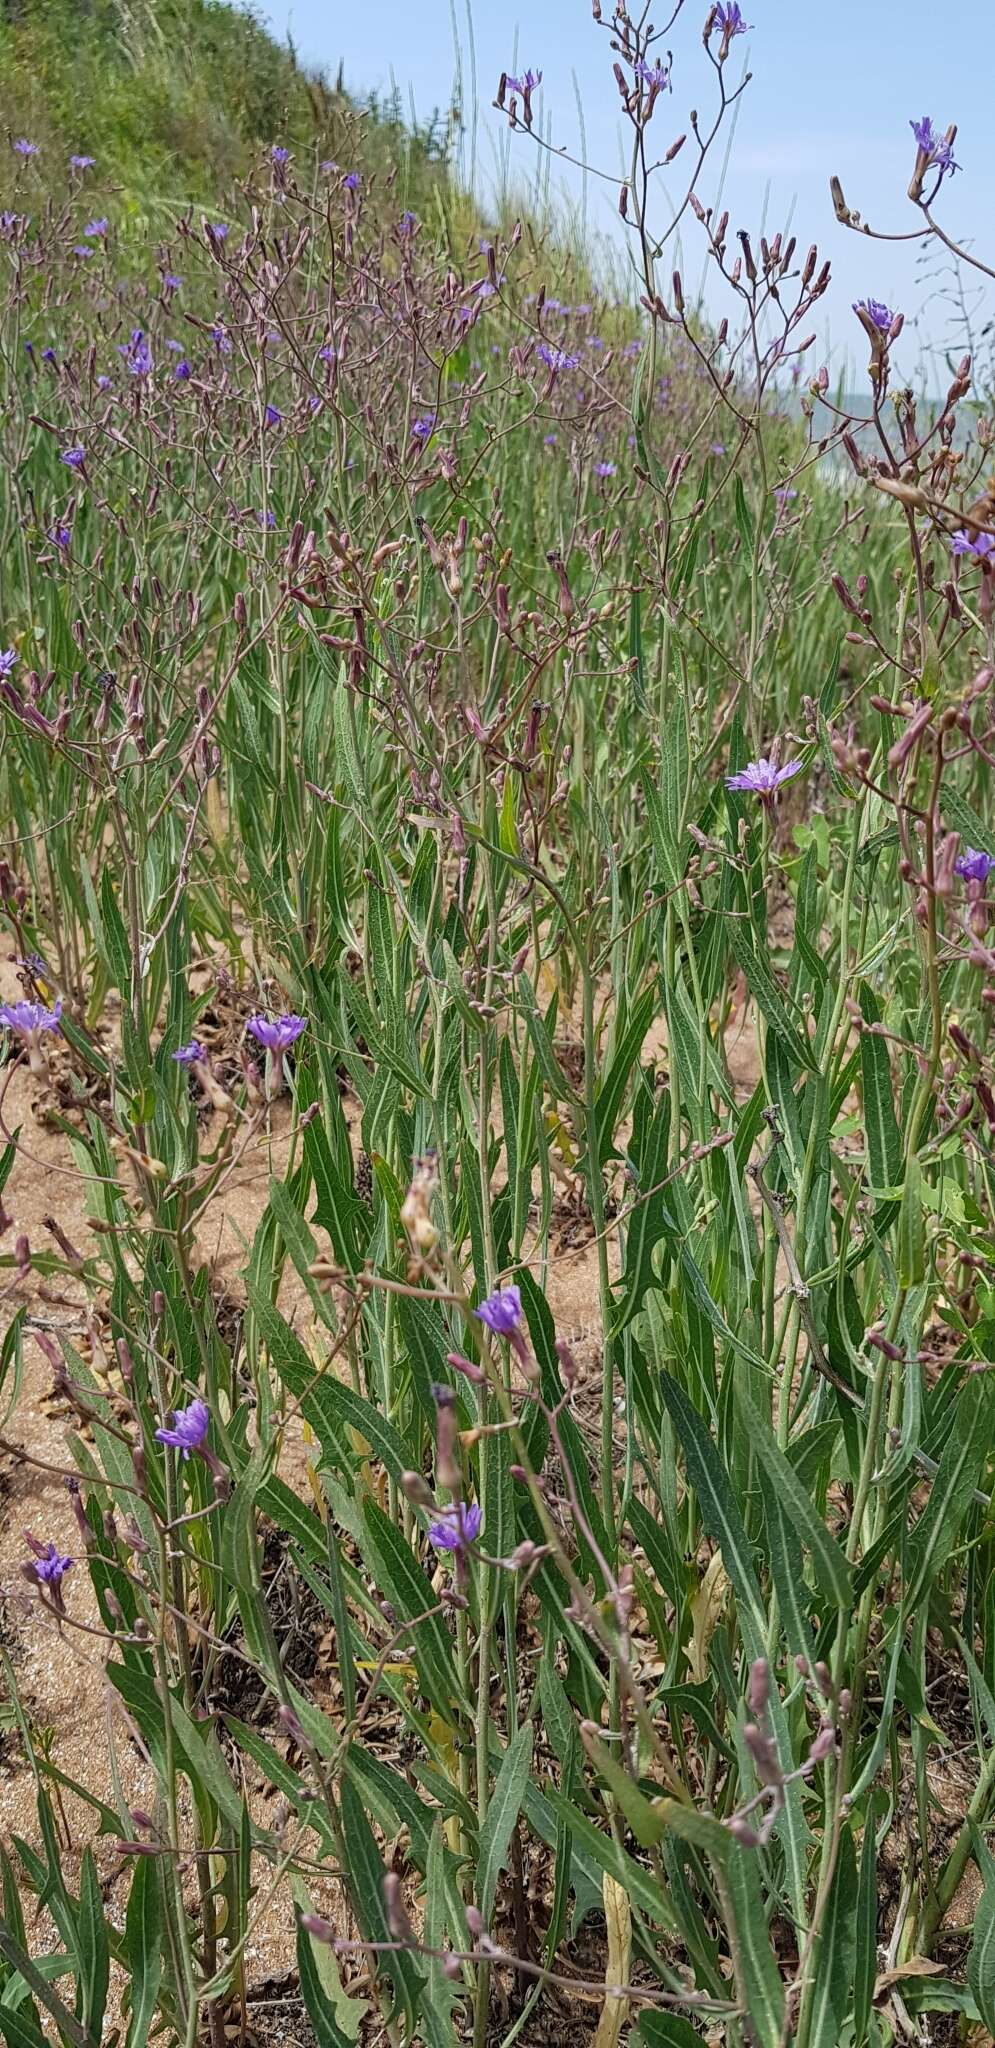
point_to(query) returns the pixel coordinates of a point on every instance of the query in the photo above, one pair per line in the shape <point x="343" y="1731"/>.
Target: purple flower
<point x="938" y="151"/>
<point x="182" y="371"/>
<point x="103" y="384"/>
<point x="273" y="416"/>
<point x="730" y="21"/>
<point x="526" y="84"/>
<point x="501" y="1311"/>
<point x="28" y="1020"/>
<point x="81" y="249"/>
<point x="604" y="469"/>
<point x="137" y="354"/>
<point x="171" y="283"/>
<point x="423" y="429"/>
<point x="48" y="355"/>
<point x="279" y="154"/>
<point x="556" y="358"/>
<point x="784" y="494"/>
<point x="277" y="1033"/>
<point x="654" y="76"/>
<point x="352" y="181"/>
<point x="762" y="778"/>
<point x="267" y="520"/>
<point x="74" y="458"/>
<point x="60" y="536"/>
<point x="457" y="1527"/>
<point x="50" y="1566"/>
<point x="879" y="314"/>
<point x="718" y="448"/>
<point x="82" y="163"/>
<point x="974" y="866"/>
<point x="216" y="231"/>
<point x="189" y="1055"/>
<point x="549" y="440"/>
<point x="96" y="228"/>
<point x="962" y="544"/>
<point x="24" y="147"/>
<point x="327" y="354"/>
<point x="8" y="661"/>
<point x="190" y="1426"/>
<point x="407" y="222"/>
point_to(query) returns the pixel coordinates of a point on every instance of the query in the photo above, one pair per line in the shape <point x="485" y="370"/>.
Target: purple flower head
<point x="50" y="1566"/>
<point x="423" y="429"/>
<point x="137" y="354"/>
<point x="604" y="469"/>
<point x="328" y="164"/>
<point x="24" y="147"/>
<point x="783" y="493"/>
<point x="327" y="354"/>
<point x="182" y="371"/>
<point x="730" y="20"/>
<point x="632" y="348"/>
<point x="974" y="866"/>
<point x="408" y="222"/>
<point x="277" y="1033"/>
<point x="877" y="312"/>
<point x="103" y="384"/>
<point x="81" y="249"/>
<point x="938" y="151"/>
<point x="656" y="77"/>
<point x="352" y="181"/>
<point x="962" y="544"/>
<point x="189" y="1055"/>
<point x="48" y="355"/>
<point x="74" y="458"/>
<point x="762" y="778"/>
<point x="28" y="1020"/>
<point x="171" y="283"/>
<point x="501" y="1311"/>
<point x="8" y="661"/>
<point x="279" y="154"/>
<point x="8" y="223"/>
<point x="718" y="448"/>
<point x="60" y="536"/>
<point x="456" y="1528"/>
<point x="556" y="358"/>
<point x="267" y="520"/>
<point x="216" y="231"/>
<point x="96" y="229"/>
<point x="190" y="1426"/>
<point x="82" y="163"/>
<point x="549" y="440"/>
<point x="272" y="416"/>
<point x="526" y="84"/>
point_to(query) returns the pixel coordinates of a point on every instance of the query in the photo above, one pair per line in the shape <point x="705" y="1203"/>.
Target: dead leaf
<point x="706" y="1610"/>
<point x="917" y="1966"/>
<point x="618" y="1918"/>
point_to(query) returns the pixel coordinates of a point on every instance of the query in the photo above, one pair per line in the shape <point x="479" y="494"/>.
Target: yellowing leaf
<point x="618" y="1922"/>
<point x="706" y="1610"/>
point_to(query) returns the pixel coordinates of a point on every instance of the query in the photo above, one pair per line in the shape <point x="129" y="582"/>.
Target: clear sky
<point x="833" y="89"/>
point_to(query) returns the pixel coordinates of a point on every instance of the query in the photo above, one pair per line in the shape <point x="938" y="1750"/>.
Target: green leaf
<point x="830" y="1565"/>
<point x="866" y="1935"/>
<point x="317" y="2004"/>
<point x="835" y="1956"/>
<point x="503" y="1809"/>
<point x="981" y="1961"/>
<point x="884" y="1139"/>
<point x="143" y="1938"/>
<point x="960" y="1466"/>
<point x="712" y="1488"/>
<point x="911" y="1228"/>
<point x="94" y="1947"/>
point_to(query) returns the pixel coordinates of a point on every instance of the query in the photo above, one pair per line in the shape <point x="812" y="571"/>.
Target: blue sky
<point x="833" y="89"/>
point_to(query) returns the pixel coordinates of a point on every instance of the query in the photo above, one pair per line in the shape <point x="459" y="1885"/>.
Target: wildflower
<point x="763" y="778"/>
<point x="80" y="249"/>
<point x="656" y="78"/>
<point x="8" y="661"/>
<point x="190" y="1426"/>
<point x="730" y="20"/>
<point x="556" y="358"/>
<point x="267" y="520"/>
<point x="82" y="163"/>
<point x="974" y="866"/>
<point x="75" y="458"/>
<point x="422" y="429"/>
<point x="962" y="544"/>
<point x="527" y="83"/>
<point x="604" y="469"/>
<point x="549" y="440"/>
<point x="878" y="314"/>
<point x="48" y="355"/>
<point x="182" y="371"/>
<point x="279" y="1033"/>
<point x="501" y="1311"/>
<point x="137" y="354"/>
<point x="328" y="164"/>
<point x="25" y="148"/>
<point x="60" y="536"/>
<point x="188" y="1055"/>
<point x="96" y="229"/>
<point x="272" y="416"/>
<point x="103" y="384"/>
<point x="718" y="448"/>
<point x="352" y="181"/>
<point x="327" y="354"/>
<point x="278" y="154"/>
<point x="220" y="340"/>
<point x="171" y="283"/>
<point x="29" y="1022"/>
<point x="456" y="1528"/>
<point x="936" y="149"/>
<point x="408" y="222"/>
<point x="784" y="494"/>
<point x="50" y="1565"/>
<point x="216" y="231"/>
